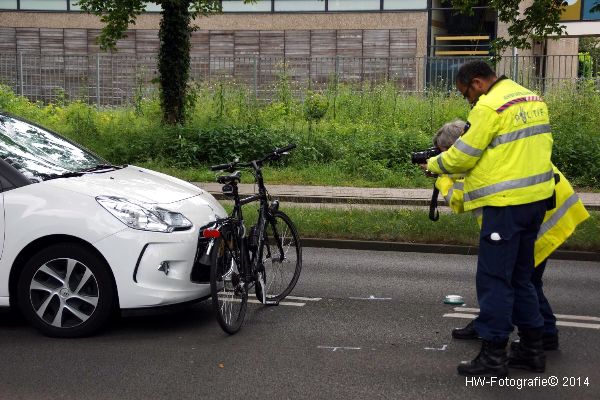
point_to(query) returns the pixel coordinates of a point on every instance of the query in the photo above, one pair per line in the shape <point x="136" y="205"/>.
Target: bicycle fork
<point x="258" y="262"/>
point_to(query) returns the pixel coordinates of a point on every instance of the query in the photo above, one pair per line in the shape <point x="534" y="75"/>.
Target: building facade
<point x="412" y="42"/>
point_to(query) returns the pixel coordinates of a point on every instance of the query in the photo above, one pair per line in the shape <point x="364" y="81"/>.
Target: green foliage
<point x="366" y="142"/>
<point x="116" y="15"/>
<point x="591" y="46"/>
<point x="174" y="52"/>
<point x="315" y="106"/>
<point x="575" y="117"/>
<point x="585" y="65"/>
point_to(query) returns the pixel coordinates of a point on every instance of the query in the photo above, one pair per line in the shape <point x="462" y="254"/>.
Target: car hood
<point x="133" y="183"/>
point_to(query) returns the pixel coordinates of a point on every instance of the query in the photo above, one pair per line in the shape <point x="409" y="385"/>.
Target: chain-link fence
<point x="116" y="79"/>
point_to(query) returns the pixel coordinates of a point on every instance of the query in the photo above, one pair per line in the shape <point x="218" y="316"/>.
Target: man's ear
<point x="479" y="83"/>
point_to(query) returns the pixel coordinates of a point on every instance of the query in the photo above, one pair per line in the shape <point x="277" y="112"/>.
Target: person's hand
<point x="427" y="172"/>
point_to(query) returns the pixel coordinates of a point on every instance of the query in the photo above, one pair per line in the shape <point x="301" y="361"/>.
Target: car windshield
<point x="39" y="154"/>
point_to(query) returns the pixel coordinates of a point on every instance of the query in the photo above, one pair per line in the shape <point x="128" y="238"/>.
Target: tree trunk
<point x="174" y="59"/>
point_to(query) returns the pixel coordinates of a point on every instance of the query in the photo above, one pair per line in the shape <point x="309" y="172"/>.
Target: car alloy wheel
<point x="64" y="293"/>
<point x="67" y="290"/>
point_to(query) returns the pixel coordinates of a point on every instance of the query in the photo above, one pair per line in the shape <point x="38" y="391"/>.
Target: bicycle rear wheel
<point x="283" y="262"/>
<point x="228" y="290"/>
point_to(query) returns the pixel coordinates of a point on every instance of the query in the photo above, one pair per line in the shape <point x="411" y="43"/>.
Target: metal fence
<point x="115" y="79"/>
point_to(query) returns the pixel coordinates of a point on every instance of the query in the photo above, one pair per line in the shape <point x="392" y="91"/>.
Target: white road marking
<point x="580" y="317"/>
<point x="371" y="297"/>
<point x="466" y="309"/>
<point x="578" y="324"/>
<point x="304" y="298"/>
<point x="281" y="303"/>
<point x="336" y="348"/>
<point x="558" y="322"/>
<point x="561" y="316"/>
<point x="443" y="348"/>
<point x="460" y="315"/>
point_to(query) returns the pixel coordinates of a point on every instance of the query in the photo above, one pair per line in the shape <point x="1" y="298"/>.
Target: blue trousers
<point x="545" y="309"/>
<point x="505" y="267"/>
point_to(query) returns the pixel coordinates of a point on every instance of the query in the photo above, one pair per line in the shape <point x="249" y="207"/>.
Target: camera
<point x="420" y="157"/>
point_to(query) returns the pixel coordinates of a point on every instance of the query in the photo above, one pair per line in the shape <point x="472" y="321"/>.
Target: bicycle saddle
<point x="235" y="177"/>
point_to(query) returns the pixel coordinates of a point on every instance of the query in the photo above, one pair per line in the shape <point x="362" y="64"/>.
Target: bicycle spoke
<point x="283" y="266"/>
<point x="227" y="290"/>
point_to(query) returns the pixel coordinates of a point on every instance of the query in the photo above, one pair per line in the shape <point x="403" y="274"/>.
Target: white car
<point x="81" y="239"/>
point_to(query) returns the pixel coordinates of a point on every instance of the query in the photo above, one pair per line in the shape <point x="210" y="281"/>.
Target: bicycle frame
<point x="249" y="265"/>
<point x="245" y="260"/>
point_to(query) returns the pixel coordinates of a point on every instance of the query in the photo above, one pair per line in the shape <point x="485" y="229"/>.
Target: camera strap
<point x="434" y="215"/>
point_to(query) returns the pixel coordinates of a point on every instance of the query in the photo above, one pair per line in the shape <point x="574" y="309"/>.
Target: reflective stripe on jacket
<point x="559" y="223"/>
<point x="506" y="150"/>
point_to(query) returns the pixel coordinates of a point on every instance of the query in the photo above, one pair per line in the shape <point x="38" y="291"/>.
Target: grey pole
<point x="21" y="73"/>
<point x="515" y="66"/>
<point x="98" y="80"/>
<point x="255" y="78"/>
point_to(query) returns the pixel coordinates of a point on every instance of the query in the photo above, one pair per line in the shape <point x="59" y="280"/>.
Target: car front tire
<point x="66" y="291"/>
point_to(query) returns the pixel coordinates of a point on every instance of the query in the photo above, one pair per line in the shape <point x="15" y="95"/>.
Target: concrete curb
<point x="430" y="248"/>
<point x="284" y="198"/>
<point x="390" y="201"/>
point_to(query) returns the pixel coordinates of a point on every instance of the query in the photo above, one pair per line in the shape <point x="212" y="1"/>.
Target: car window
<point x="38" y="153"/>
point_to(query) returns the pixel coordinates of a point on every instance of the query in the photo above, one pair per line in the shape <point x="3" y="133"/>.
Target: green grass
<point x="311" y="175"/>
<point x="363" y="138"/>
<point x="411" y="226"/>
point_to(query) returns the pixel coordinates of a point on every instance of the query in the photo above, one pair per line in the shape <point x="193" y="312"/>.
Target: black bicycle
<point x="266" y="259"/>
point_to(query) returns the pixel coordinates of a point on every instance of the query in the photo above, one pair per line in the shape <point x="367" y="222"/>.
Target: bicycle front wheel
<point x="228" y="290"/>
<point x="281" y="257"/>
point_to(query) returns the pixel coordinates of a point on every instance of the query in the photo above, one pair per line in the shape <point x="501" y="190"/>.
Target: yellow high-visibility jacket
<point x="559" y="223"/>
<point x="505" y="150"/>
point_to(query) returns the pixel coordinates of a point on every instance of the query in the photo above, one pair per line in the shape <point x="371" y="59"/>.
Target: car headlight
<point x="143" y="217"/>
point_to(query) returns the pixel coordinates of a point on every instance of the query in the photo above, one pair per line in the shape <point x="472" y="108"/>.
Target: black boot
<point x="466" y="333"/>
<point x="550" y="342"/>
<point x="529" y="353"/>
<point x="491" y="361"/>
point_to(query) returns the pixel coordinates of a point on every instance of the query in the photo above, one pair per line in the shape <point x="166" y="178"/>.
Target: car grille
<point x="201" y="269"/>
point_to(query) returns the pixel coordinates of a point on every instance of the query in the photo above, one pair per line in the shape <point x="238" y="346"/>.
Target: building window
<point x="153" y="7"/>
<point x="404" y="4"/>
<point x="239" y="6"/>
<point x="299" y="5"/>
<point x="43" y="4"/>
<point x="8" y="4"/>
<point x="263" y="6"/>
<point x="354" y="5"/>
<point x="588" y="15"/>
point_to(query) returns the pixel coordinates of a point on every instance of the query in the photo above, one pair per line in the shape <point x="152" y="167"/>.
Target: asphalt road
<point x="373" y="327"/>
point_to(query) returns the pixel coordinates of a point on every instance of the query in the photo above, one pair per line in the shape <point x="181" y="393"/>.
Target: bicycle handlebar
<point x="285" y="149"/>
<point x="230" y="167"/>
<point x="221" y="167"/>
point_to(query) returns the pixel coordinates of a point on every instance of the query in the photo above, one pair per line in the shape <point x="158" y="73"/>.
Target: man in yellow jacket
<point x="505" y="155"/>
<point x="559" y="223"/>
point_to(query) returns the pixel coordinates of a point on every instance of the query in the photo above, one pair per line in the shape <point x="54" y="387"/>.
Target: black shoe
<point x="550" y="342"/>
<point x="466" y="333"/>
<point x="529" y="353"/>
<point x="491" y="361"/>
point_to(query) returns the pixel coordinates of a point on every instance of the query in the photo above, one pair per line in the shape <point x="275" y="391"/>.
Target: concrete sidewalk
<point x="354" y="195"/>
